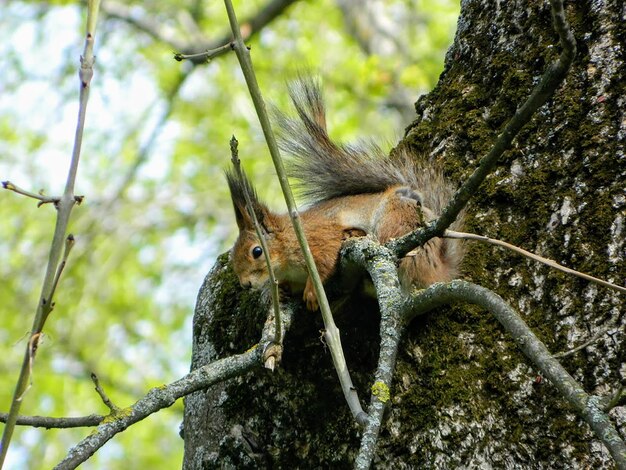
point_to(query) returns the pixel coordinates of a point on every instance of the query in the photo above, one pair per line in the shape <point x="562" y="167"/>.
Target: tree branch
<point x="618" y="399"/>
<point x="43" y="199"/>
<point x="57" y="423"/>
<point x="250" y="26"/>
<point x="331" y="333"/>
<point x="165" y="396"/>
<point x="590" y="341"/>
<point x="551" y="79"/>
<point x="103" y="396"/>
<point x="588" y="407"/>
<point x="64" y="206"/>
<point x="381" y="265"/>
<point x="144" y="151"/>
<point x="157" y="399"/>
<point x="234" y="152"/>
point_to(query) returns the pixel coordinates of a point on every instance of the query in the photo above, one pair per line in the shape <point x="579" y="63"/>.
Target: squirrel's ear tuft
<point x="242" y="217"/>
<point x="238" y="186"/>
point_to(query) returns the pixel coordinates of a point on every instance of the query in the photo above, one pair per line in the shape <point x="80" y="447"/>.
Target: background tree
<point x="156" y="213"/>
<point x="464" y="395"/>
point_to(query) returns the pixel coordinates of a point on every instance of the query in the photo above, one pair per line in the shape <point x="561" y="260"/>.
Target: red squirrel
<point x="352" y="191"/>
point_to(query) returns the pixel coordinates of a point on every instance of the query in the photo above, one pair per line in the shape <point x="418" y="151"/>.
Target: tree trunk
<point x="463" y="395"/>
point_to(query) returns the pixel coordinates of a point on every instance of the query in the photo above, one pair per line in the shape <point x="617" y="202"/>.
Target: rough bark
<point x="464" y="395"/>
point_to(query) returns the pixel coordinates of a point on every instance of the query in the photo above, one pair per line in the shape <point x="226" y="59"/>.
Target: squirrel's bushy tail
<point x="325" y="170"/>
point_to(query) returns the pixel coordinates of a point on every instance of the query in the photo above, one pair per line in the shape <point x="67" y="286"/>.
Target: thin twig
<point x="64" y="206"/>
<point x="528" y="254"/>
<point x="234" y="153"/>
<point x="103" y="396"/>
<point x="550" y="80"/>
<point x="55" y="423"/>
<point x="618" y="399"/>
<point x="157" y="399"/>
<point x="206" y="56"/>
<point x="143" y="153"/>
<point x="331" y="331"/>
<point x="43" y="199"/>
<point x="582" y="346"/>
<point x="69" y="244"/>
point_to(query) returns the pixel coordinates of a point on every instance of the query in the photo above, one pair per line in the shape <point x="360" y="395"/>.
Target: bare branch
<point x="588" y="407"/>
<point x="43" y="199"/>
<point x="582" y="346"/>
<point x="55" y="423"/>
<point x="234" y="152"/>
<point x="207" y="55"/>
<point x="144" y="152"/>
<point x="331" y="333"/>
<point x="528" y="254"/>
<point x="551" y="79"/>
<point x="618" y="399"/>
<point x="381" y="265"/>
<point x="69" y="244"/>
<point x="165" y="396"/>
<point x="64" y="206"/>
<point x="251" y="26"/>
<point x="157" y="399"/>
<point x="103" y="396"/>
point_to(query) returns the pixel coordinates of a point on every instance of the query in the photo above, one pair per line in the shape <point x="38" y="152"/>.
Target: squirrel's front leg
<point x="325" y="246"/>
<point x="309" y="296"/>
<point x="325" y="268"/>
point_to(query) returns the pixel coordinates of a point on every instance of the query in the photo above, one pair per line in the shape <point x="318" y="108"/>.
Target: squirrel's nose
<point x="245" y="284"/>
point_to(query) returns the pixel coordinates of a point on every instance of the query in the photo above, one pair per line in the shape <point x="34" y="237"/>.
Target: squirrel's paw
<point x="352" y="232"/>
<point x="309" y="297"/>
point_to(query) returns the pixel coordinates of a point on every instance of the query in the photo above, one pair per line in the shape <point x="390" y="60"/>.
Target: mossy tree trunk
<point x="463" y="394"/>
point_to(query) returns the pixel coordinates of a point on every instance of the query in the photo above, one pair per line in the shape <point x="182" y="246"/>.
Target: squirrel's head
<point x="247" y="253"/>
<point x="249" y="261"/>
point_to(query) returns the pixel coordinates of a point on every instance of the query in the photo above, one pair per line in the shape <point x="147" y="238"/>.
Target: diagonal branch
<point x="590" y="408"/>
<point x="262" y="240"/>
<point x="551" y="79"/>
<point x="165" y="396"/>
<point x="157" y="399"/>
<point x="146" y="24"/>
<point x="331" y="334"/>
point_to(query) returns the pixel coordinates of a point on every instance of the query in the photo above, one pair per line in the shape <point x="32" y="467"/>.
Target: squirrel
<point x="352" y="190"/>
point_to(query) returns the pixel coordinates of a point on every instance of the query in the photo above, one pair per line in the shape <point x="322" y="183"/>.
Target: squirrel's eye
<point x="257" y="251"/>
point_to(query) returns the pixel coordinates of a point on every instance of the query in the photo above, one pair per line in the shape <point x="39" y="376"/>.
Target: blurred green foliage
<point x="156" y="210"/>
